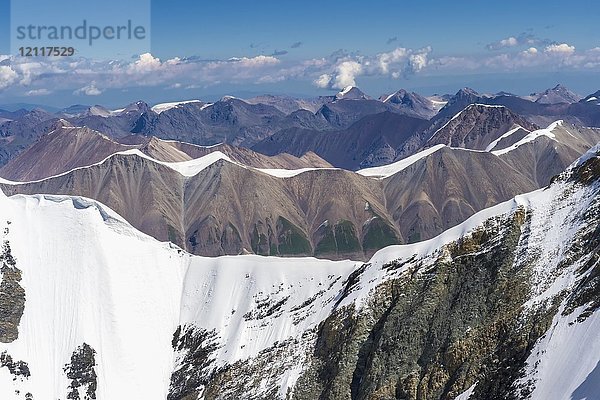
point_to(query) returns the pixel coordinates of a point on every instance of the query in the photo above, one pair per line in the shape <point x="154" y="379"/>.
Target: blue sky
<point x="208" y="49"/>
<point x="220" y="29"/>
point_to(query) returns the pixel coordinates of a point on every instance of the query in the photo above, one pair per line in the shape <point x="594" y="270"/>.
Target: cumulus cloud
<point x="346" y="73"/>
<point x="323" y="81"/>
<point x="418" y="61"/>
<point x="255" y="61"/>
<point x="346" y="68"/>
<point x="508" y="42"/>
<point x="384" y="60"/>
<point x="7" y="76"/>
<point x="562" y="49"/>
<point x="551" y="57"/>
<point x="145" y="63"/>
<point x="89" y="90"/>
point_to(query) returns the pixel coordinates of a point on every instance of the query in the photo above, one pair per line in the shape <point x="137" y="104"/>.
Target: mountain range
<point x="341" y="247"/>
<point x="503" y="305"/>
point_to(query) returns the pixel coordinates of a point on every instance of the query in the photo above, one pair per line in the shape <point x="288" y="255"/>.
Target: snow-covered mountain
<point x="496" y="307"/>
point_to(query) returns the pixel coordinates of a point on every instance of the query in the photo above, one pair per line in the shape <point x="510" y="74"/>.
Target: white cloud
<point x="89" y="90"/>
<point x="145" y="63"/>
<point x="524" y="39"/>
<point x="92" y="78"/>
<point x="257" y="61"/>
<point x="7" y="76"/>
<point x="384" y="60"/>
<point x="323" y="81"/>
<point x="418" y="61"/>
<point x="562" y="49"/>
<point x="345" y="69"/>
<point x="509" y="42"/>
<point x="346" y="73"/>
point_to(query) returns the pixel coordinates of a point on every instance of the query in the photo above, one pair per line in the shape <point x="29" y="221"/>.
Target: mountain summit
<point x="411" y="103"/>
<point x="556" y="95"/>
<point x="351" y="93"/>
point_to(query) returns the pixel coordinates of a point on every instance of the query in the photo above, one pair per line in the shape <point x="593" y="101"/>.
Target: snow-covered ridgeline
<point x="492" y="145"/>
<point x="548" y="132"/>
<point x="391" y="169"/>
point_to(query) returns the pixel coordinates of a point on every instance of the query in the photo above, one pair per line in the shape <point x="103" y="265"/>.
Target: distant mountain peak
<point x="351" y="93"/>
<point x="59" y="124"/>
<point x="229" y="98"/>
<point x="411" y="102"/>
<point x="467" y="91"/>
<point x="138" y="106"/>
<point x="593" y="98"/>
<point x="555" y="95"/>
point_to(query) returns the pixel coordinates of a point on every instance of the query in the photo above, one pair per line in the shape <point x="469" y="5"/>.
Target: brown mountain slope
<point x="59" y="151"/>
<point x="230" y="209"/>
<point x="545" y="157"/>
<point x="226" y="208"/>
<point x="478" y="125"/>
<point x="68" y="147"/>
<point x="248" y="157"/>
<point x="445" y="188"/>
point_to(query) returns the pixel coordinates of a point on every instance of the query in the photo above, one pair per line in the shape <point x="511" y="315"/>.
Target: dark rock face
<point x="82" y="374"/>
<point x="18" y="369"/>
<point x="194" y="365"/>
<point x="434" y="334"/>
<point x="12" y="295"/>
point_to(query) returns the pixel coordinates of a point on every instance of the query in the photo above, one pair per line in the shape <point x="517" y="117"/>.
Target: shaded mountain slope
<point x="371" y="141"/>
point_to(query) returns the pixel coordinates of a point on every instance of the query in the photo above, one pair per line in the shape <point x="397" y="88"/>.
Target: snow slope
<point x="159" y="108"/>
<point x="185" y="168"/>
<point x="90" y="277"/>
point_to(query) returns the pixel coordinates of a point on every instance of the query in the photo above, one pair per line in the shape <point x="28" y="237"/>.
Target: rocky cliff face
<point x="12" y="294"/>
